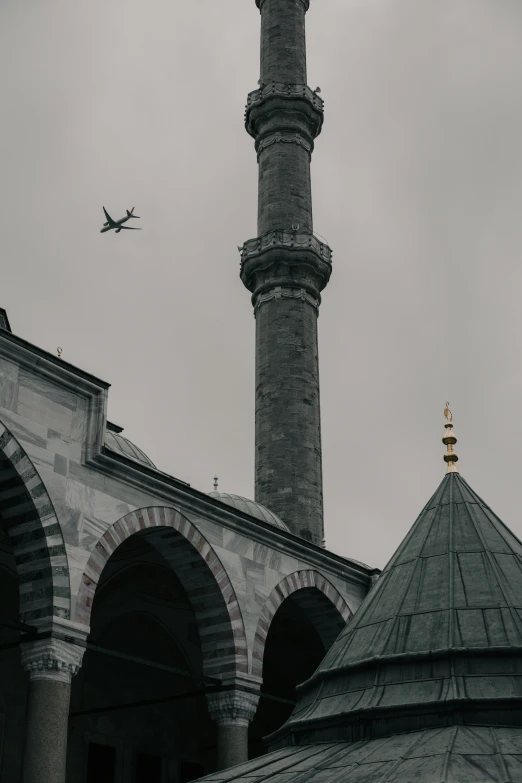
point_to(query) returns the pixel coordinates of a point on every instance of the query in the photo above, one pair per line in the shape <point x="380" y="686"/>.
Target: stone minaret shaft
<point x="286" y="268"/>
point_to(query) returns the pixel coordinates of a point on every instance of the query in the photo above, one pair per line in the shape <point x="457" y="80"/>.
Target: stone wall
<point x="55" y="417"/>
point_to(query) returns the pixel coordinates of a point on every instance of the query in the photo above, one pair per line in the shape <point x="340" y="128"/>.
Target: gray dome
<point x="115" y="441"/>
<point x="249" y="507"/>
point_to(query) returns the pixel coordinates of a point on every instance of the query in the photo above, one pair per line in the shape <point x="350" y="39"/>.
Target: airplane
<point x="118" y="224"/>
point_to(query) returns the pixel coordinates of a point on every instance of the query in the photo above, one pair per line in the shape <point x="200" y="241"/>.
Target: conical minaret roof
<point x="425" y="683"/>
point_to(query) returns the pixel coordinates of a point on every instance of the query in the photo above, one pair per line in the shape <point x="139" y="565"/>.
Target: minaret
<point x="286" y="268"/>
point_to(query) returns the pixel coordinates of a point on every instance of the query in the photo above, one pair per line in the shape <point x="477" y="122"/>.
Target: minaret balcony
<point x="285" y="258"/>
<point x="306" y="4"/>
<point x="277" y="106"/>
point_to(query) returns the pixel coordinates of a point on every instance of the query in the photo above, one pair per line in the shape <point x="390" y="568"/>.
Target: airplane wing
<point x="109" y="219"/>
<point x="130" y="228"/>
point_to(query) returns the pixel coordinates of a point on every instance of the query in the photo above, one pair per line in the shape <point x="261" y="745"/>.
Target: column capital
<point x="233" y="707"/>
<point x="52" y="659"/>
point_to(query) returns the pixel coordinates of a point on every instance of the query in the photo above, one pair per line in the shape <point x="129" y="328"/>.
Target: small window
<point x="189" y="771"/>
<point x="148" y="768"/>
<point x="101" y="763"/>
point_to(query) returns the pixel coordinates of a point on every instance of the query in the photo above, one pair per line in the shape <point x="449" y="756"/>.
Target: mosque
<point x="153" y="633"/>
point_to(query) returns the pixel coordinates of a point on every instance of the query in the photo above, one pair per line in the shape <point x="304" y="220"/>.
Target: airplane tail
<point x="129" y="214"/>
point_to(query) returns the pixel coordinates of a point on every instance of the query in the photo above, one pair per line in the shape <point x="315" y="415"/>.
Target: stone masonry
<point x="68" y="501"/>
<point x="286" y="268"/>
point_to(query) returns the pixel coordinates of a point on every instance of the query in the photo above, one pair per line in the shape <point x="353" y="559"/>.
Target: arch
<point x="328" y="623"/>
<point x="35" y="535"/>
<point x="204" y="579"/>
<point x="117" y="623"/>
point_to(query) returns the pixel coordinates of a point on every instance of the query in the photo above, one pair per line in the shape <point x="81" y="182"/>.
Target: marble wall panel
<point x="78" y="559"/>
<point x="54" y="483"/>
<point x="29" y="433"/>
<point x="254" y="572"/>
<point x="353" y="594"/>
<point x="80" y="497"/>
<point x="91" y="478"/>
<point x="289" y="564"/>
<point x="238" y="544"/>
<point x="41" y="458"/>
<point x="60" y="464"/>
<point x="257" y="595"/>
<point x="8" y="393"/>
<point x="42" y="387"/>
<point x="233" y="565"/>
<point x="37" y="407"/>
<point x="261" y="593"/>
<point x="262" y="553"/>
<point x="210" y="530"/>
<point x="106" y="485"/>
<point x="109" y="508"/>
<point x="71" y="450"/>
<point x="90" y="532"/>
<point x="267" y="555"/>
<point x="9" y="370"/>
<point x="79" y="421"/>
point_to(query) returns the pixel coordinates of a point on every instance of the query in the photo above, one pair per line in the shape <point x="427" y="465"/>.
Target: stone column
<point x="232" y="710"/>
<point x="51" y="664"/>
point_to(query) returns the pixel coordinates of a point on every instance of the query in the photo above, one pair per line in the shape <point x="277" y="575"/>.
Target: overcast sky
<point x="417" y="186"/>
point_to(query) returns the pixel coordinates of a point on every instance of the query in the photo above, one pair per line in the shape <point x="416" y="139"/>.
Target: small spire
<point x="215" y="483"/>
<point x="449" y="441"/>
<point x="59" y="352"/>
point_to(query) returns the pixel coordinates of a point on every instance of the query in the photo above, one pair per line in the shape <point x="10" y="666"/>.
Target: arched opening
<point x="138" y="706"/>
<point x="13" y="683"/>
<point x="300" y="633"/>
<point x="32" y="589"/>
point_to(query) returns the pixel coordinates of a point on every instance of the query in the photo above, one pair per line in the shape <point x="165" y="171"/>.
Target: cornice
<point x="27" y="355"/>
<point x="160" y="485"/>
<point x="198" y="505"/>
<point x="280" y="137"/>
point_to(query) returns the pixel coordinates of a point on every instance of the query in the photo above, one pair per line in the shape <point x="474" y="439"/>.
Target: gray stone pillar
<point x="232" y="711"/>
<point x="51" y="664"/>
<point x="285" y="268"/>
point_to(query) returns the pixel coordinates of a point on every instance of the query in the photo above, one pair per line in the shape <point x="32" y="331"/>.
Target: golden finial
<point x="59" y="352"/>
<point x="449" y="441"/>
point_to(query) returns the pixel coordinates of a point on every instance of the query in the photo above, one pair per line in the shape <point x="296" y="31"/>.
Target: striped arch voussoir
<point x="29" y="518"/>
<point x="299" y="580"/>
<point x="199" y="570"/>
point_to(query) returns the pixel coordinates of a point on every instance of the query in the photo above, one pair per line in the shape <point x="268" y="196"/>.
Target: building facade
<point x="425" y="683"/>
<point x="151" y="632"/>
<point x="145" y="625"/>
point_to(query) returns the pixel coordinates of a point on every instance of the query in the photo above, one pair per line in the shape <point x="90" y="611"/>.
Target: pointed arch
<point x="201" y="573"/>
<point x="325" y="607"/>
<point x="29" y="518"/>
